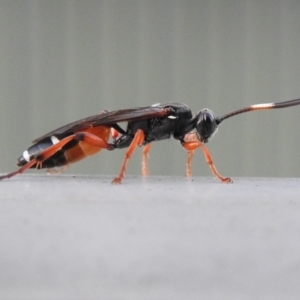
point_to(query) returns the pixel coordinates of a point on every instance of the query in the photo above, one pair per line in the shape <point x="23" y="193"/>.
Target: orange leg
<point x="188" y="166"/>
<point x="146" y="149"/>
<point x="21" y="170"/>
<point x="192" y="145"/>
<point x="114" y="133"/>
<point x="86" y="137"/>
<point x="137" y="141"/>
<point x="55" y="171"/>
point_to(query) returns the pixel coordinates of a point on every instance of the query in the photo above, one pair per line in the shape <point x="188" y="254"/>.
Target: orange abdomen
<point x="82" y="149"/>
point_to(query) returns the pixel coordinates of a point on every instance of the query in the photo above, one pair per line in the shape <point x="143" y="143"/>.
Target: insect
<point x="75" y="141"/>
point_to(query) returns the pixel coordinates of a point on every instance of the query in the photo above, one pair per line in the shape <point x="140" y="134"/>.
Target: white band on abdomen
<point x="54" y="139"/>
<point x="26" y="156"/>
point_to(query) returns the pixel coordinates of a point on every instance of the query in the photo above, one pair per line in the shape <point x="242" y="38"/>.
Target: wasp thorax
<point x="206" y="125"/>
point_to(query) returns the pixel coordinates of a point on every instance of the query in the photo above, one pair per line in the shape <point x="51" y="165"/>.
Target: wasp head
<point x="206" y="125"/>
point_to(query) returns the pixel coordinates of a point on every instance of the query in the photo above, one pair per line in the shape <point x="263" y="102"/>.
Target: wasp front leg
<point x="191" y="146"/>
<point x="188" y="166"/>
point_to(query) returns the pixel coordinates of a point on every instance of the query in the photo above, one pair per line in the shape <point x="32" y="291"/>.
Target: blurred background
<point x="64" y="60"/>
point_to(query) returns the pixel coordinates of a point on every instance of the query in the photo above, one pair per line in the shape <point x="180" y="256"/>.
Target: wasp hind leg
<point x="85" y="137"/>
<point x="54" y="171"/>
<point x="19" y="171"/>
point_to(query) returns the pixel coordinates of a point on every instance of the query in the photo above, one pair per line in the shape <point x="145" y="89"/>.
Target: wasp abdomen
<point x="36" y="149"/>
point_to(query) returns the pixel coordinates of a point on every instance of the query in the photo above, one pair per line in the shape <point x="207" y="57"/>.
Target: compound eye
<point x="206" y="125"/>
<point x="209" y="120"/>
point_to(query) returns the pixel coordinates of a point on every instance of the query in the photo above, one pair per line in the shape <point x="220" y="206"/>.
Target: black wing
<point x="110" y="118"/>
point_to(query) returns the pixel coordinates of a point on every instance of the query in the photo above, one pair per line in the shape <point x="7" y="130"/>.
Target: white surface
<point x="65" y="237"/>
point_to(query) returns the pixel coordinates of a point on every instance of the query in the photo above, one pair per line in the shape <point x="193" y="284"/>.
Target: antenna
<point x="263" y="106"/>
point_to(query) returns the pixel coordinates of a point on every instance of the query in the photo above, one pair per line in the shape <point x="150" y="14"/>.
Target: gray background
<point x="64" y="60"/>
